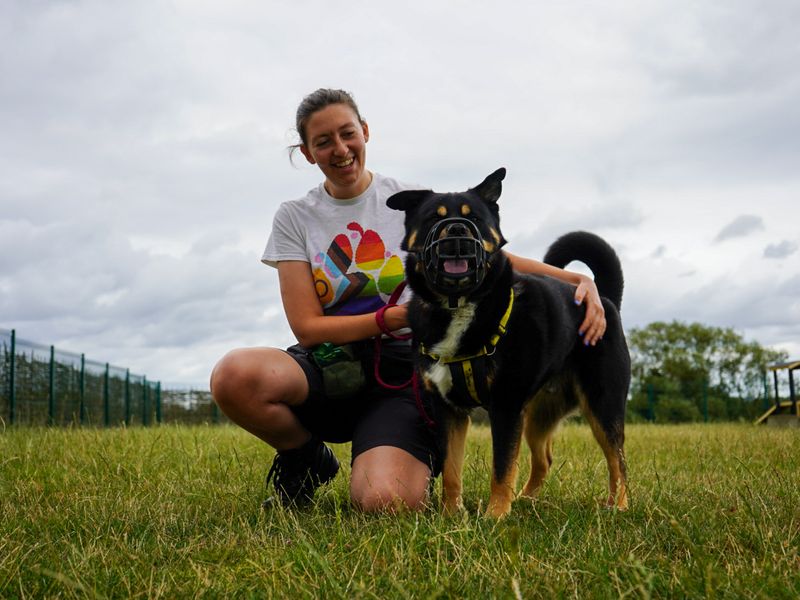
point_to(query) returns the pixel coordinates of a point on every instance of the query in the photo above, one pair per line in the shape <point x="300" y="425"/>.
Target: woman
<point x="337" y="252"/>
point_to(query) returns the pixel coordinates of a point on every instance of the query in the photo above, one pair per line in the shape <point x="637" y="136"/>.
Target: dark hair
<point x="315" y="102"/>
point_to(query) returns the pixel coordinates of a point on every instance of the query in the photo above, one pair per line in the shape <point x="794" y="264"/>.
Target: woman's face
<point x="337" y="143"/>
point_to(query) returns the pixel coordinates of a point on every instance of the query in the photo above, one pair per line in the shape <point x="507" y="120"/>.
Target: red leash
<point x="414" y="380"/>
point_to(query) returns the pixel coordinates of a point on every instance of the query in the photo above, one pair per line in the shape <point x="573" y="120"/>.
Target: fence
<point x="674" y="402"/>
<point x="41" y="385"/>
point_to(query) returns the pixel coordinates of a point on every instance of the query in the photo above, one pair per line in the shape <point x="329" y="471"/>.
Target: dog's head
<point x="451" y="239"/>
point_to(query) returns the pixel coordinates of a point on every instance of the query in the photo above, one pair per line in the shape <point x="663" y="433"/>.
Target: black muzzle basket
<point x="455" y="239"/>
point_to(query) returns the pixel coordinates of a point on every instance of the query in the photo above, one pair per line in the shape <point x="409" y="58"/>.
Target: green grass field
<point x="175" y="512"/>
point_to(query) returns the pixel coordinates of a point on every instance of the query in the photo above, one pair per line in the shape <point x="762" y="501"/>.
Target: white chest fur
<point x="439" y="373"/>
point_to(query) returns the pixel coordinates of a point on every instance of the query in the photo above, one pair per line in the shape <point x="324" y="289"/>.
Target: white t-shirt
<point x="353" y="246"/>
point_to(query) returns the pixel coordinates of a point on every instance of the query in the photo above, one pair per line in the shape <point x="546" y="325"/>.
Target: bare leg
<point x="254" y="387"/>
<point x="386" y="478"/>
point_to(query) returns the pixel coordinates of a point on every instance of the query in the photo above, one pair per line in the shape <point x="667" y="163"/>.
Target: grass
<point x="173" y="511"/>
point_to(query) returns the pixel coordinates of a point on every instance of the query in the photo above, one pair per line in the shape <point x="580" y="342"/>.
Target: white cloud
<point x="144" y="153"/>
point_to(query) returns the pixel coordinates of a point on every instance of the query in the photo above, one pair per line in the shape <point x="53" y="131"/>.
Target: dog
<point x="485" y="335"/>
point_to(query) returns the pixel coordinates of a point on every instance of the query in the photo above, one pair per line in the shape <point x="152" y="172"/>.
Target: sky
<point x="143" y="154"/>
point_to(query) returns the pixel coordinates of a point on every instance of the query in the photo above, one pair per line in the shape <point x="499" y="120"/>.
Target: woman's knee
<point x="252" y="374"/>
<point x="389" y="479"/>
<point x="389" y="496"/>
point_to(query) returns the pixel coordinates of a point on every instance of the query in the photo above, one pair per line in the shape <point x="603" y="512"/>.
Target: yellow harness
<point x="463" y="369"/>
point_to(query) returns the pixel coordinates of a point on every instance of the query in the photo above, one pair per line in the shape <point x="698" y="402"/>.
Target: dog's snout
<point x="457" y="230"/>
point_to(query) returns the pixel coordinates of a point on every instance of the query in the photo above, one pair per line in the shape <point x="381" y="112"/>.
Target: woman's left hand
<point x="594" y="325"/>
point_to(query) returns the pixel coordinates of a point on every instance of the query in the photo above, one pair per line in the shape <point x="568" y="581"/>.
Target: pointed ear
<point x="490" y="188"/>
<point x="407" y="200"/>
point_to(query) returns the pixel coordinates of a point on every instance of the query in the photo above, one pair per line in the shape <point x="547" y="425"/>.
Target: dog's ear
<point x="490" y="188"/>
<point x="407" y="200"/>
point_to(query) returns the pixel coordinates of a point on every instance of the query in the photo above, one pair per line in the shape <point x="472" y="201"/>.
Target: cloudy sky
<point x="143" y="153"/>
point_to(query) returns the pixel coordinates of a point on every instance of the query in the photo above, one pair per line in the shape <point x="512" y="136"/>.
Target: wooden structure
<point x="784" y="412"/>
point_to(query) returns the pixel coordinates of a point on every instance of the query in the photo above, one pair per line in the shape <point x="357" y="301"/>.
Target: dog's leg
<point x="506" y="434"/>
<point x="457" y="427"/>
<point x="540" y="441"/>
<point x="610" y="434"/>
<point x="541" y="418"/>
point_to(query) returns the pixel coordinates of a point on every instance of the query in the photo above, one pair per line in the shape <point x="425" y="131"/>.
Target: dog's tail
<point x="595" y="253"/>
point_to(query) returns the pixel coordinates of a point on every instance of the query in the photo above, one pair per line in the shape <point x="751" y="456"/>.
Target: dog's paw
<point x="612" y="503"/>
<point x="529" y="493"/>
<point x="453" y="507"/>
<point x="497" y="510"/>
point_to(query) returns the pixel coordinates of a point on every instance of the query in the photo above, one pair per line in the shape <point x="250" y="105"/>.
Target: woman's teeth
<point x="344" y="163"/>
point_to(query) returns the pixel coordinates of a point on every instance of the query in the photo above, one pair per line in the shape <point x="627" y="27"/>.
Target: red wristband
<point x="381" y="321"/>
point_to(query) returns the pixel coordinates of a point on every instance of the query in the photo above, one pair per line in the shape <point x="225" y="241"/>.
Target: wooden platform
<point x="781" y="414"/>
<point x="784" y="413"/>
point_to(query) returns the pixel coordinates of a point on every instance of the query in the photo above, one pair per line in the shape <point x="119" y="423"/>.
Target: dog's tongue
<point x="455" y="266"/>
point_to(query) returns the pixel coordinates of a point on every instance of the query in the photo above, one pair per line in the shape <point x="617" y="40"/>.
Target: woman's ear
<point x="304" y="149"/>
<point x="365" y="129"/>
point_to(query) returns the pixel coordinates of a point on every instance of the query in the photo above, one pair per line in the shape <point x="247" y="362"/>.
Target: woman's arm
<point x="594" y="325"/>
<point x="304" y="312"/>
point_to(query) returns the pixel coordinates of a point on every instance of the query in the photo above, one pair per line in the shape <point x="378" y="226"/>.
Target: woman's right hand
<point x="310" y="326"/>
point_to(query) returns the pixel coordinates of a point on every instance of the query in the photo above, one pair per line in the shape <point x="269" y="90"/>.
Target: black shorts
<point x="375" y="416"/>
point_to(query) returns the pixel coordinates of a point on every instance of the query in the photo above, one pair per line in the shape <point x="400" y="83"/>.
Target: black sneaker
<point x="297" y="473"/>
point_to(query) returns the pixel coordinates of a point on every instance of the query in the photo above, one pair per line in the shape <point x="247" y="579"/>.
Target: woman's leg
<point x="254" y="387"/>
<point x="387" y="478"/>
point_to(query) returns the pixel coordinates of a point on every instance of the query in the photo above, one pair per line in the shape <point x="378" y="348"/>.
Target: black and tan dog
<point x="488" y="336"/>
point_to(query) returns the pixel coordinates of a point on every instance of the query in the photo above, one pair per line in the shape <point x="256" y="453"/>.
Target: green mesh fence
<point x="41" y="385"/>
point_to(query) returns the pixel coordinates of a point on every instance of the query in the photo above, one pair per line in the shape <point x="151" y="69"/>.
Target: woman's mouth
<point x="345" y="163"/>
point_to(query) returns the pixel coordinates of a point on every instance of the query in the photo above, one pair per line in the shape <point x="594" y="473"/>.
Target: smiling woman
<point x="338" y="146"/>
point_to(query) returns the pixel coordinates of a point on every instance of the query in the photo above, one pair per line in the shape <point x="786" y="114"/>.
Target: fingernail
<point x="577" y="301"/>
<point x="586" y="343"/>
<point x="580" y="333"/>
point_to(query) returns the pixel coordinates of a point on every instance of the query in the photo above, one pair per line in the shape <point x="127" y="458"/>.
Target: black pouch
<point x="342" y="369"/>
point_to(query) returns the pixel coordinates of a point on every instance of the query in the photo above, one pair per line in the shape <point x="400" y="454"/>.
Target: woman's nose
<point x="340" y="146"/>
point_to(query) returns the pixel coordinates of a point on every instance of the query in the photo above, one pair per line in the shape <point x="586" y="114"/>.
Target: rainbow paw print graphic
<point x="357" y="274"/>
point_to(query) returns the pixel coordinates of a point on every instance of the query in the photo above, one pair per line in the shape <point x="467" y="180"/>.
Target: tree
<point x="713" y="368"/>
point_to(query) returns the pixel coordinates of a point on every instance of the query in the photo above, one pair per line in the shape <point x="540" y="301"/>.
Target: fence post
<point x="82" y="389"/>
<point x="651" y="402"/>
<point x="144" y="401"/>
<point x="158" y="402"/>
<point x="106" y="407"/>
<point x="765" y="403"/>
<point x="51" y="404"/>
<point x="127" y="397"/>
<point x="12" y="395"/>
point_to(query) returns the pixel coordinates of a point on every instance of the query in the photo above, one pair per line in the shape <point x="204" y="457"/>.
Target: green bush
<point x="669" y="409"/>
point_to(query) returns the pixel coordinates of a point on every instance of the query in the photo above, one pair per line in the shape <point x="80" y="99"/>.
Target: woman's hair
<point x="315" y="102"/>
